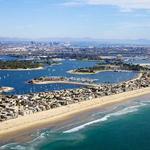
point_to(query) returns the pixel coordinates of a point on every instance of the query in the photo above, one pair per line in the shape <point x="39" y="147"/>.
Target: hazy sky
<point x="111" y="19"/>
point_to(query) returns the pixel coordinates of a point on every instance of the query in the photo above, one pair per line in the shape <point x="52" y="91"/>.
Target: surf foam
<point x="106" y="117"/>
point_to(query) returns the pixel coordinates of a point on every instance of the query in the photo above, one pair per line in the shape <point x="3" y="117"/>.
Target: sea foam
<point x="106" y="117"/>
<point x="41" y="137"/>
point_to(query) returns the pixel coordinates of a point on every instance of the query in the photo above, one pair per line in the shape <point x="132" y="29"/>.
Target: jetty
<point x="65" y="80"/>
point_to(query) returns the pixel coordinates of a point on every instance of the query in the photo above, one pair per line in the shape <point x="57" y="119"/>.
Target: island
<point x="115" y="66"/>
<point x="25" y="64"/>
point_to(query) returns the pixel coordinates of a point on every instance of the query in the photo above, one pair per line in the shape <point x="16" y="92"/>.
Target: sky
<point x="97" y="19"/>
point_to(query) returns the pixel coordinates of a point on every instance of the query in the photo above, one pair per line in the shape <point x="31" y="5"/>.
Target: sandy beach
<point x="21" y="69"/>
<point x="62" y="82"/>
<point x="6" y="89"/>
<point x="42" y="118"/>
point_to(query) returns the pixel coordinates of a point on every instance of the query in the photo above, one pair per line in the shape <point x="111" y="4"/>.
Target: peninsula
<point x="6" y="89"/>
<point x="102" y="67"/>
<point x="25" y="64"/>
<point x="71" y="80"/>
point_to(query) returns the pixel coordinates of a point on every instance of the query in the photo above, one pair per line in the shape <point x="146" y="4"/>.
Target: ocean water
<point x="123" y="126"/>
<point x="18" y="79"/>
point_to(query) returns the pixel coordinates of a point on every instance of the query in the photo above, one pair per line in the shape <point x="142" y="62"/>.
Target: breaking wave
<point x="106" y="117"/>
<point x="48" y="135"/>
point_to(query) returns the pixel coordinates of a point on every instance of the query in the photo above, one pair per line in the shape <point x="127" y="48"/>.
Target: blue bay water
<point x="18" y="79"/>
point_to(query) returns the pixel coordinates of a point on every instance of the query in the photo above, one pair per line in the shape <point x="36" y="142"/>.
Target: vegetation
<point x="112" y="66"/>
<point x="134" y="67"/>
<point x="19" y="64"/>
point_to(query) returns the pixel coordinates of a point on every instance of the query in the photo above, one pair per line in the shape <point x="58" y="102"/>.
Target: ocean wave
<point x="106" y="117"/>
<point x="17" y="147"/>
<point x="40" y="137"/>
<point x="13" y="146"/>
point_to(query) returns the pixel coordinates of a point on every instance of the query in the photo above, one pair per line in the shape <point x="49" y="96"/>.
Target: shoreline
<point x="6" y="89"/>
<point x="38" y="68"/>
<point x="139" y="75"/>
<point x="55" y="64"/>
<point x="21" y="69"/>
<point x="36" y="120"/>
<point x="62" y="82"/>
<point x="86" y="73"/>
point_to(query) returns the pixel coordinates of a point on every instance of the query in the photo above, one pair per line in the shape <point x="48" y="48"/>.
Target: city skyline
<point x="95" y="19"/>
